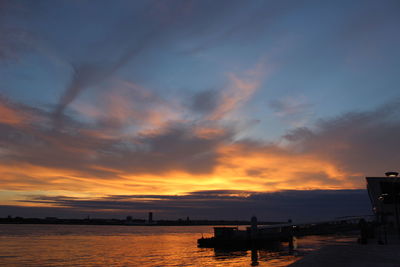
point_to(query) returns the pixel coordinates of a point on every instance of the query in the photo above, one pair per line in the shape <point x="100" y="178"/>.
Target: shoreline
<point x="122" y="223"/>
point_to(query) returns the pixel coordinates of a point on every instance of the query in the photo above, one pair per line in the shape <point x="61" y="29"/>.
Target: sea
<point x="95" y="245"/>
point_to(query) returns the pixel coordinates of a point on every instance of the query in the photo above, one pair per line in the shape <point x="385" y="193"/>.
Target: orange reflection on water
<point x="72" y="245"/>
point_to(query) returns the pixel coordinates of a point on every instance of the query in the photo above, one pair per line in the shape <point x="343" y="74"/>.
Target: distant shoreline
<point x="57" y="221"/>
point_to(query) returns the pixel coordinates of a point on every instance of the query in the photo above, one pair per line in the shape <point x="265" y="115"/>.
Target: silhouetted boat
<point x="253" y="236"/>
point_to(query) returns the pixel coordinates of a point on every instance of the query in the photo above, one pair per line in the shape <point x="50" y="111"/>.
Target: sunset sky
<point x="213" y="109"/>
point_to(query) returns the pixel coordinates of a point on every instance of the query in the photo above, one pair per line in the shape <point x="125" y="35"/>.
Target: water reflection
<point x="255" y="256"/>
<point x="68" y="245"/>
<point x="278" y="254"/>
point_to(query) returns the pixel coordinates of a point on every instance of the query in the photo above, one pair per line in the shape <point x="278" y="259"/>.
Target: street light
<point x="381" y="198"/>
<point x="391" y="174"/>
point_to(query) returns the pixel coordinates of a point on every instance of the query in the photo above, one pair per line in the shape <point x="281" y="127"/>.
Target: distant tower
<point x="150" y="217"/>
<point x="254" y="222"/>
<point x="253" y="227"/>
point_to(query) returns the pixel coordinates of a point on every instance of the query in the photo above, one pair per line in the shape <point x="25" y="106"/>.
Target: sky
<point x="208" y="109"/>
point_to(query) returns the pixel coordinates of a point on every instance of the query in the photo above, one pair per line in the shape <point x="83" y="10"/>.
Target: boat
<point x="251" y="237"/>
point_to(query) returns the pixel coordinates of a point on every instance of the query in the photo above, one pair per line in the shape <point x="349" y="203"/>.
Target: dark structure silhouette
<point x="384" y="193"/>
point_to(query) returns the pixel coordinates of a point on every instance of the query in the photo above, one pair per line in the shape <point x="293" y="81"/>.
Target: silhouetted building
<point x="384" y="193"/>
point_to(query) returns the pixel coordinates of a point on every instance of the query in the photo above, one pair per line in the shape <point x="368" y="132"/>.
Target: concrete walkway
<point x="354" y="254"/>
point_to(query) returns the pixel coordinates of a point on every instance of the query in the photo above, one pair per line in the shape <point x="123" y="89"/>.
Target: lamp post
<point x="395" y="195"/>
<point x="396" y="207"/>
<point x="381" y="198"/>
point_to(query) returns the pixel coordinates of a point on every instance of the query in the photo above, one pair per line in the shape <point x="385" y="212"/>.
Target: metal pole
<point x="396" y="206"/>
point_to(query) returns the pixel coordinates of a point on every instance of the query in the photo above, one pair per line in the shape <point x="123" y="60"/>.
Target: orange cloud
<point x="184" y="156"/>
<point x="239" y="168"/>
<point x="271" y="169"/>
<point x="10" y="115"/>
<point x="240" y="89"/>
<point x="129" y="106"/>
<point x="164" y="161"/>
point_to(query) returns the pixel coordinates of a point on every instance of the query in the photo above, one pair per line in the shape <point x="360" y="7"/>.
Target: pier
<point x="266" y="236"/>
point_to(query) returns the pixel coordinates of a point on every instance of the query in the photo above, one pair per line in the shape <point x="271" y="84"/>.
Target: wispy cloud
<point x="14" y="39"/>
<point x="240" y="89"/>
<point x="180" y="19"/>
<point x="126" y="108"/>
<point x="294" y="110"/>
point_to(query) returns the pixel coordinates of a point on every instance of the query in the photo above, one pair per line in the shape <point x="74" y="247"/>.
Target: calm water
<point x="75" y="245"/>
